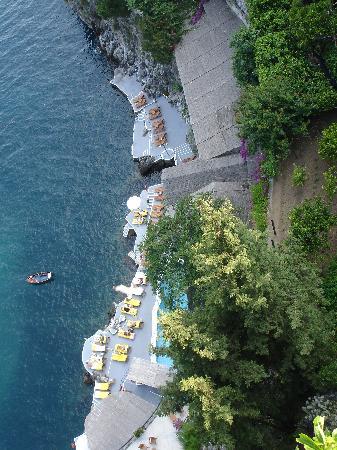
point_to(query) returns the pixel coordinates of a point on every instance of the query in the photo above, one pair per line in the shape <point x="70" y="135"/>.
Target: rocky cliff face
<point x="121" y="40"/>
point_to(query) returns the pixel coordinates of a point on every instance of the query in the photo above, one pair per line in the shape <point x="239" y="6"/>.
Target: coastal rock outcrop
<point x="120" y="39"/>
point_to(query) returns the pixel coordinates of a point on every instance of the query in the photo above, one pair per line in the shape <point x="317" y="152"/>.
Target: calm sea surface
<point x="65" y="175"/>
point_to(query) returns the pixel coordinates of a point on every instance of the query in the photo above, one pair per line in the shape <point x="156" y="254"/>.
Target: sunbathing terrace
<point x="164" y="144"/>
<point x="126" y="393"/>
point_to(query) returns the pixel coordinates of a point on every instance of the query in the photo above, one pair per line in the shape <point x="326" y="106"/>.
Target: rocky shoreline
<point x="120" y="39"/>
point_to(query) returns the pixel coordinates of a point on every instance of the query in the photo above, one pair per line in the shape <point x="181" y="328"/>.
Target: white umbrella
<point x="134" y="202"/>
<point x="129" y="291"/>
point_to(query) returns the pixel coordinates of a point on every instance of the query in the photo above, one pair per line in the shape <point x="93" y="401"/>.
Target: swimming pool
<point x="165" y="360"/>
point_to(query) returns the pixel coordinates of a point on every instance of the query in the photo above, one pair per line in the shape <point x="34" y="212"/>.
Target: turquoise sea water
<point x="65" y="175"/>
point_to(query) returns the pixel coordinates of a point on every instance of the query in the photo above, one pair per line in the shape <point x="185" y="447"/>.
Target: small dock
<point x="162" y="134"/>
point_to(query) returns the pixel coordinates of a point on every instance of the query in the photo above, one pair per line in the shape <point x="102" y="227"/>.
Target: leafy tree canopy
<point x="255" y="331"/>
<point x="287" y="63"/>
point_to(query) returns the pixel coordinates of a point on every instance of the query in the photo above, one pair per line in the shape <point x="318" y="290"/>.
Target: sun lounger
<point x="102" y="386"/>
<point x="128" y="310"/>
<point x="154" y="113"/>
<point x="119" y="357"/>
<point x="156" y="213"/>
<point x="97" y="348"/>
<point x="157" y="207"/>
<point x="134" y="323"/>
<point x="122" y="348"/>
<point x="160" y="139"/>
<point x="137" y="220"/>
<point x="101" y="394"/>
<point x="158" y="123"/>
<point x="132" y="302"/>
<point x="101" y="339"/>
<point x="126" y="334"/>
<point x="97" y="365"/>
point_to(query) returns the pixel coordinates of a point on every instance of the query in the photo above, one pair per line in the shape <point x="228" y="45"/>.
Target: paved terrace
<point x="143" y="137"/>
<point x="205" y="68"/>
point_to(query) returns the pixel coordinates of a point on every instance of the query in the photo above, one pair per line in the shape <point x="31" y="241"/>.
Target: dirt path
<point x="284" y="195"/>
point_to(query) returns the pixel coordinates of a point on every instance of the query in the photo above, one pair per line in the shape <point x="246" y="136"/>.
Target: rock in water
<point x="87" y="378"/>
<point x="146" y="165"/>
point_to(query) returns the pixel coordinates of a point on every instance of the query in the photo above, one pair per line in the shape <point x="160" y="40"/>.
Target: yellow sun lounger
<point x="132" y="302"/>
<point x="98" y="348"/>
<point x="126" y="334"/>
<point x="118" y="357"/>
<point x="101" y="394"/>
<point x="102" y="386"/>
<point x="122" y="348"/>
<point x="128" y="310"/>
<point x="97" y="365"/>
<point x="134" y="323"/>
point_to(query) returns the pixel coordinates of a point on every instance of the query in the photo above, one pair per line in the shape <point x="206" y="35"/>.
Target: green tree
<point x="112" y="8"/>
<point x="327" y="148"/>
<point x="162" y="25"/>
<point x="290" y="48"/>
<point x="244" y="354"/>
<point x="322" y="440"/>
<point x="310" y="223"/>
<point x="299" y="175"/>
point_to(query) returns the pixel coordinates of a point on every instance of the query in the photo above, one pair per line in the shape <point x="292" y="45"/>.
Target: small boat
<point x="40" y="278"/>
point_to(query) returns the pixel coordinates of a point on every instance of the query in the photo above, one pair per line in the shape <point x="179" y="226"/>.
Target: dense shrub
<point x="299" y="175"/>
<point x="243" y="61"/>
<point x="310" y="223"/>
<point x="327" y="148"/>
<point x="162" y="24"/>
<point x="189" y="437"/>
<point x="259" y="205"/>
<point x="289" y="47"/>
<point x="330" y="182"/>
<point x="112" y="8"/>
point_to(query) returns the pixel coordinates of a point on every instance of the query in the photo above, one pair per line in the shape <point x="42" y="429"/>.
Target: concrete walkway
<point x="205" y="68"/>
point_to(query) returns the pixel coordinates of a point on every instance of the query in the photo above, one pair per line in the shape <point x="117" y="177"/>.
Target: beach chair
<point x="156" y="214"/>
<point x="132" y="302"/>
<point x="128" y="310"/>
<point x="122" y="348"/>
<point x="97" y="365"/>
<point x="159" y="207"/>
<point x="134" y="323"/>
<point x="98" y="348"/>
<point x="102" y="386"/>
<point x="101" y="394"/>
<point x="138" y="221"/>
<point x="119" y="357"/>
<point x="101" y="339"/>
<point x="125" y="334"/>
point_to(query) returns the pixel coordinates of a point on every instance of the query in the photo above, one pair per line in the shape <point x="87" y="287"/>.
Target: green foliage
<point x="259" y="205"/>
<point x="299" y="175"/>
<point x="189" y="436"/>
<point x="322" y="440"/>
<point x="330" y="284"/>
<point x="112" y="8"/>
<point x="328" y="144"/>
<point x="330" y="182"/>
<point x="162" y="25"/>
<point x="289" y="47"/>
<point x="310" y="223"/>
<point x="254" y="334"/>
<point x="138" y="432"/>
<point x="244" y="67"/>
